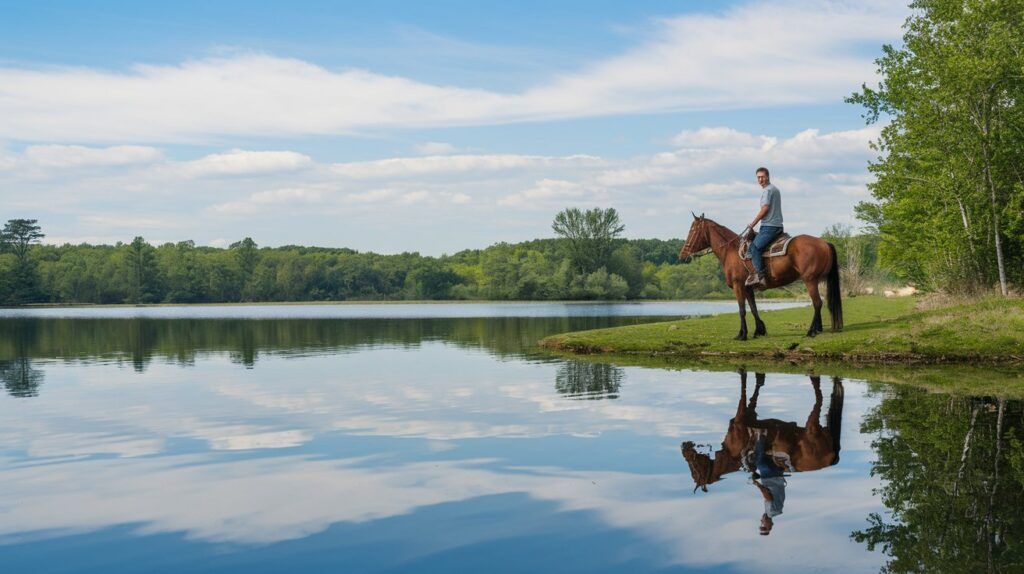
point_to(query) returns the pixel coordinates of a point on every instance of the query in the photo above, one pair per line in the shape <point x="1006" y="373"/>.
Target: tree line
<point x="588" y="260"/>
<point x="949" y="190"/>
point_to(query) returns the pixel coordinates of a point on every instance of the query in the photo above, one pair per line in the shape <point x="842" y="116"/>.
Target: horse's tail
<point x="834" y="419"/>
<point x="835" y="300"/>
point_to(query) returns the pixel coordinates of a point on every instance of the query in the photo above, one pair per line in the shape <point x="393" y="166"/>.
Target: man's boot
<point x="755" y="279"/>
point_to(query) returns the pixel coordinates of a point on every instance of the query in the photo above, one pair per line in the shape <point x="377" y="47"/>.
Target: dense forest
<point x="949" y="188"/>
<point x="587" y="261"/>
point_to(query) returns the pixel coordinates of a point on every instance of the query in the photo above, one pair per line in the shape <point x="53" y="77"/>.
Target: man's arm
<point x="760" y="215"/>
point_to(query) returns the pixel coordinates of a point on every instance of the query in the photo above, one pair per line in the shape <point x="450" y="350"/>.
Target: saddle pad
<point x="777" y="248"/>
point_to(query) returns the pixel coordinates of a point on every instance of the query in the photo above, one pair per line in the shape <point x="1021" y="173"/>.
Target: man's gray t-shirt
<point x="773" y="199"/>
<point x="777" y="486"/>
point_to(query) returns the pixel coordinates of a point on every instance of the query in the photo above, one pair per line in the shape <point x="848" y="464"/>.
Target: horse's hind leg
<point x="759" y="328"/>
<point x="812" y="289"/>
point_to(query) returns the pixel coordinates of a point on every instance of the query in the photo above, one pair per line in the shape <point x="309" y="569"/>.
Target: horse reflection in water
<point x="768" y="447"/>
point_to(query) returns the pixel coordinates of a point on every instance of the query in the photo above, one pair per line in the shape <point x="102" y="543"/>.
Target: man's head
<point x="766" y="525"/>
<point x="763" y="177"/>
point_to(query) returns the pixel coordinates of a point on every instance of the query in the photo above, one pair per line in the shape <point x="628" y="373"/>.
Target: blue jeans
<point x="764" y="238"/>
<point x="766" y="467"/>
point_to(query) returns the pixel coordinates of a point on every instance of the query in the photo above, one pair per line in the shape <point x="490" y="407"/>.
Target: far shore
<point x="379" y="302"/>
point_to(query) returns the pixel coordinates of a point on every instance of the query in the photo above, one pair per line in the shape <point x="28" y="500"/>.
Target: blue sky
<point x="392" y="126"/>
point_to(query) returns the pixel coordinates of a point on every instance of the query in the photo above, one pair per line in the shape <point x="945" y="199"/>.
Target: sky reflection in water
<point x="426" y="445"/>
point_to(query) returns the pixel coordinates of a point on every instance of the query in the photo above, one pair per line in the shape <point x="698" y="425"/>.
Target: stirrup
<point x="754" y="279"/>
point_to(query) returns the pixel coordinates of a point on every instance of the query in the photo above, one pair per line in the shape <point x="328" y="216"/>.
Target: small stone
<point x="673" y="327"/>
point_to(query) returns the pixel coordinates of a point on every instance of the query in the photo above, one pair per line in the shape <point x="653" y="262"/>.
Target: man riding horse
<point x="770" y="216"/>
<point x="805" y="258"/>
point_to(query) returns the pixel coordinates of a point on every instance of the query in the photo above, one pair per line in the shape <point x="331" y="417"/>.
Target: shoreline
<point x="878" y="332"/>
<point x="377" y="302"/>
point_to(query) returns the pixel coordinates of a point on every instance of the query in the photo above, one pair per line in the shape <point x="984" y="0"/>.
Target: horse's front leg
<point x="741" y="300"/>
<point x="759" y="328"/>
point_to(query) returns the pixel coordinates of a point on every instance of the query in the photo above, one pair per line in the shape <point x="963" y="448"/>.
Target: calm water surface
<point x="273" y="441"/>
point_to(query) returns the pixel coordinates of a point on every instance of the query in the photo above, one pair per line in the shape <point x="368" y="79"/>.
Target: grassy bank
<point x="878" y="331"/>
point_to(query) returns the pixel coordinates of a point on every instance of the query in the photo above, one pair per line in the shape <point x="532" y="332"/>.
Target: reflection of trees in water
<point x="19" y="377"/>
<point x="180" y="340"/>
<point x="585" y="380"/>
<point x="953" y="472"/>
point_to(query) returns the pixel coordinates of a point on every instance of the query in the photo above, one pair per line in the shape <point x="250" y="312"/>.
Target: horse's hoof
<point x="740" y="337"/>
<point x="812" y="333"/>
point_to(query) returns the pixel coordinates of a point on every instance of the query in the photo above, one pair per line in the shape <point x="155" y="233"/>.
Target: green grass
<point x="878" y="331"/>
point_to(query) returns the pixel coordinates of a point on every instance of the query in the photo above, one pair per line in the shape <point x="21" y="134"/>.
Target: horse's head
<point x="706" y="470"/>
<point x="697" y="240"/>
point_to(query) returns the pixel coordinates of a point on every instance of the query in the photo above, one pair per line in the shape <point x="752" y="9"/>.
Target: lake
<point x="438" y="438"/>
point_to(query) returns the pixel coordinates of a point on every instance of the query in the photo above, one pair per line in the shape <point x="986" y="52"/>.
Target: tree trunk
<point x="967" y="224"/>
<point x="995" y="216"/>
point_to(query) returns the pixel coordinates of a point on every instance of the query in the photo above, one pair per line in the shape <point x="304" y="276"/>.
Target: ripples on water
<point x="441" y="444"/>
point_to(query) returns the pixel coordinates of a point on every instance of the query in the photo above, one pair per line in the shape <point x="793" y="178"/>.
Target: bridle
<point x="700" y="226"/>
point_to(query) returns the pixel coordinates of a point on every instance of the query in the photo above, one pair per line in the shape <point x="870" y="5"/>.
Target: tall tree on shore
<point x="590" y="235"/>
<point x="950" y="172"/>
<point x="17" y="237"/>
<point x="142" y="270"/>
<point x="247" y="256"/>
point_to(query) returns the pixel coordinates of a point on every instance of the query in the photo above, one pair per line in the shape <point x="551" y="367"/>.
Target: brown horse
<point x="810" y="447"/>
<point x="808" y="258"/>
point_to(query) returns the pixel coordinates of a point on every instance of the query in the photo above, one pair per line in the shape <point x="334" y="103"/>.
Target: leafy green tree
<point x="625" y="262"/>
<point x="431" y="281"/>
<point x="590" y="236"/>
<point x="949" y="178"/>
<point x="141" y="271"/>
<point x="183" y="273"/>
<point x="247" y="256"/>
<point x="22" y="283"/>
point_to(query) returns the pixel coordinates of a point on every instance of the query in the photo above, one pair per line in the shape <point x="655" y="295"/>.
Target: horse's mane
<point x="719" y="231"/>
<point x="727" y="233"/>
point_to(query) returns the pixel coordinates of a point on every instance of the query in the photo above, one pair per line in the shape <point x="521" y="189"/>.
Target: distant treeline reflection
<point x="141" y="341"/>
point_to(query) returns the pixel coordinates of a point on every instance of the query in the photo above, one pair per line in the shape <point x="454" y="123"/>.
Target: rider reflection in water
<point x="769" y="447"/>
<point x="769" y="479"/>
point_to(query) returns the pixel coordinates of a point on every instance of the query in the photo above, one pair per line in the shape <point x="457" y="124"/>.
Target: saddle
<point x="777" y="248"/>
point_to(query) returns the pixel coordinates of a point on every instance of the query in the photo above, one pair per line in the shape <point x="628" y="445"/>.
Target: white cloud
<point x="749" y="56"/>
<point x="724" y="149"/>
<point x="721" y="137"/>
<point x="419" y="166"/>
<point x="288" y="195"/>
<point x="459" y="198"/>
<point x="414" y="197"/>
<point x="242" y="162"/>
<point x="436" y="148"/>
<point x="129" y="222"/>
<point x="371" y="196"/>
<point x="544" y="191"/>
<point x="63" y="156"/>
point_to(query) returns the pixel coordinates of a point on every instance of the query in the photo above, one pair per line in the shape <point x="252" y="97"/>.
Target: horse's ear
<point x="693" y="214"/>
<point x="702" y="216"/>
